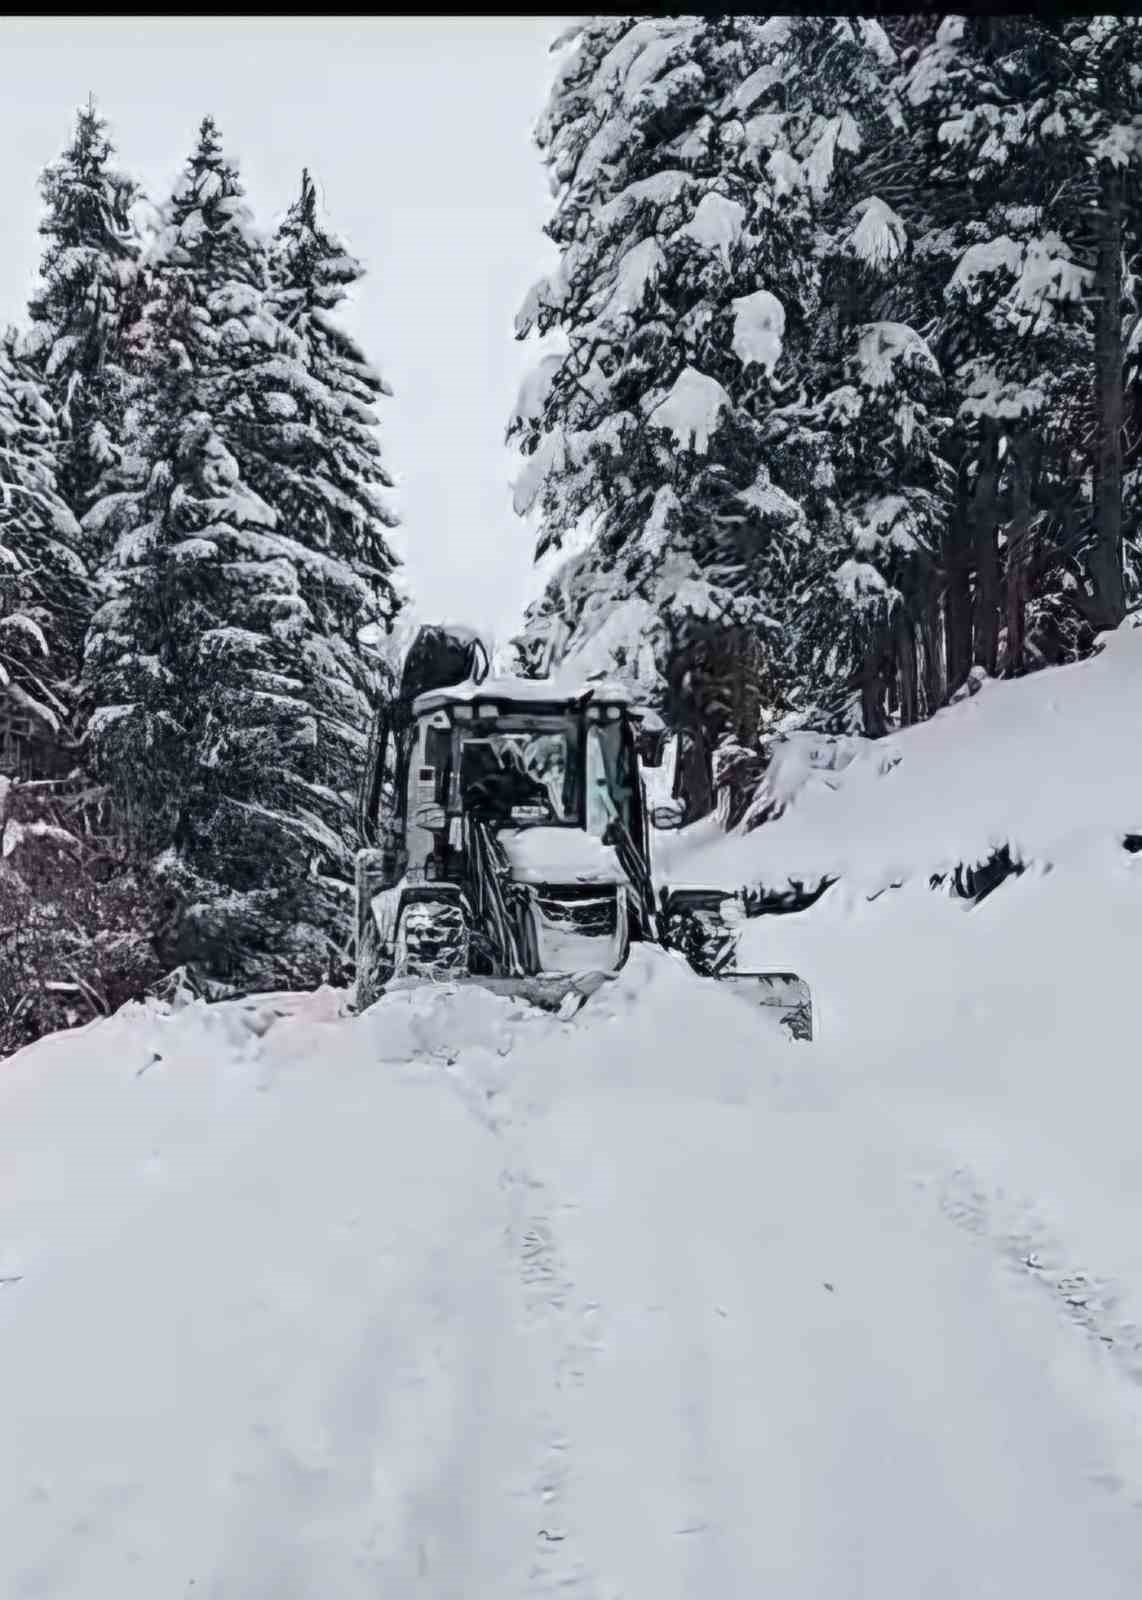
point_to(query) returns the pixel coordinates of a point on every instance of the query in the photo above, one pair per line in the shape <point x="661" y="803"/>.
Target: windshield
<point x="524" y="777"/>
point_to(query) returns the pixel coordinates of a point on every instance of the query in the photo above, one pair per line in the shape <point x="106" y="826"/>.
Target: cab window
<point x="608" y="795"/>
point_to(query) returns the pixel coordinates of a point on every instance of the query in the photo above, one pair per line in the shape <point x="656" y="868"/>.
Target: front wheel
<point x="702" y="936"/>
<point x="431" y="941"/>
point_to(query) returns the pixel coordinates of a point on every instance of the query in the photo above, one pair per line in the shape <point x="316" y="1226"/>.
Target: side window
<point x="438" y="758"/>
<point x="600" y="807"/>
<point x="420" y="782"/>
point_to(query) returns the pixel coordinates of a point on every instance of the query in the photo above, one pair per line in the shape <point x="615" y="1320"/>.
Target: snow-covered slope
<point x="461" y="1300"/>
<point x="1039" y="765"/>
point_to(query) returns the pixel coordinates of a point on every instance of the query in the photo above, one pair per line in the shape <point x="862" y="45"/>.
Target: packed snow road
<point x="461" y="1300"/>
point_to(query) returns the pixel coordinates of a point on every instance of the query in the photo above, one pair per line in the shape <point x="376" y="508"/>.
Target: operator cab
<point x="511" y="755"/>
<point x="517" y="761"/>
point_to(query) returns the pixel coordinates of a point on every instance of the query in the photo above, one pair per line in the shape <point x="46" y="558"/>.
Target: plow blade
<point x="704" y="926"/>
<point x="564" y="994"/>
<point x="779" y="994"/>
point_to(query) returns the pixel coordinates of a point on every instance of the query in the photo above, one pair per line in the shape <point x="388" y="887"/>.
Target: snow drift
<point x="457" y="1299"/>
<point x="1040" y="766"/>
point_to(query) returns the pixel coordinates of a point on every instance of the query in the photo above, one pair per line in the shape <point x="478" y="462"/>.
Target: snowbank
<point x="1042" y="765"/>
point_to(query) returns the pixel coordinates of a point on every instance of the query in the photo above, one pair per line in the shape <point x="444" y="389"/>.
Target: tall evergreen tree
<point x="45" y="594"/>
<point x="314" y="455"/>
<point x="868" y="573"/>
<point x="204" y="722"/>
<point x="1035" y="115"/>
<point x="87" y="278"/>
<point x="685" y="293"/>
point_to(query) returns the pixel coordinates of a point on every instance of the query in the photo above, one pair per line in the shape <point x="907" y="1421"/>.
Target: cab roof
<point x="524" y="693"/>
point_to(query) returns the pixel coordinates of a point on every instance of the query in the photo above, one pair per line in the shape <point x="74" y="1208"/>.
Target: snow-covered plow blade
<point x="705" y="925"/>
<point x="563" y="993"/>
<point x="779" y="994"/>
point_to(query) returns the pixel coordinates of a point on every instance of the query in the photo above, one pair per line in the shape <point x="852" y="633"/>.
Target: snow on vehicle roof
<point x="531" y="691"/>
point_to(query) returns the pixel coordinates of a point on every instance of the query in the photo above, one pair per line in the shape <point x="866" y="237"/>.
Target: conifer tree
<point x="1035" y="116"/>
<point x="314" y="455"/>
<point x="203" y="718"/>
<point x="87" y="278"/>
<point x="685" y="291"/>
<point x="45" y="594"/>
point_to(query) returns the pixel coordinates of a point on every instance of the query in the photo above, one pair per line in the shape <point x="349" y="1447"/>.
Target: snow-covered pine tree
<point x="45" y="594"/>
<point x="77" y="310"/>
<point x="684" y="289"/>
<point x="960" y="191"/>
<point x="203" y="718"/>
<point x="860" y="626"/>
<point x="866" y="630"/>
<point x="1035" y="115"/>
<point x="310" y="448"/>
<point x="1103" y="123"/>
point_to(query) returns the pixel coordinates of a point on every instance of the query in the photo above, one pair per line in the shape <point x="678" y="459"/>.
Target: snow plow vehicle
<point x="506" y="841"/>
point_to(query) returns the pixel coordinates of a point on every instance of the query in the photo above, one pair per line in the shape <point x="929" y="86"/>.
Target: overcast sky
<point x="418" y="134"/>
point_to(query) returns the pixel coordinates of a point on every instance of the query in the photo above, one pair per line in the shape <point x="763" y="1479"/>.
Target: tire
<point x="702" y="937"/>
<point x="372" y="971"/>
<point x="431" y="941"/>
<point x="528" y="941"/>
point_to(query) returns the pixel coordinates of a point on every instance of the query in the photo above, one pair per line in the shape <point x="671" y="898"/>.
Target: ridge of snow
<point x="1036" y="764"/>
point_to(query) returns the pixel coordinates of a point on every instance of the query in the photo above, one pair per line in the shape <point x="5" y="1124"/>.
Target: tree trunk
<point x="956" y="557"/>
<point x="693" y="779"/>
<point x="1105" y="562"/>
<point x="935" y="685"/>
<point x="698" y="776"/>
<point x="872" y="686"/>
<point x="907" y="667"/>
<point x="1018" y="536"/>
<point x="985" y="542"/>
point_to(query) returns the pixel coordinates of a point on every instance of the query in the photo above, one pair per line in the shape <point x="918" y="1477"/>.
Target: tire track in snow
<point x="563" y="1330"/>
<point x="1030" y="1251"/>
<point x="677" y="1442"/>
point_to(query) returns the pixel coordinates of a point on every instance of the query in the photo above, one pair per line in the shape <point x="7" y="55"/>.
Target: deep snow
<point x="1042" y="765"/>
<point x="459" y="1299"/>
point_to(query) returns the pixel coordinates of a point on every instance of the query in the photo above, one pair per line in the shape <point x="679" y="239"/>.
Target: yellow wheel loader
<point x="507" y="841"/>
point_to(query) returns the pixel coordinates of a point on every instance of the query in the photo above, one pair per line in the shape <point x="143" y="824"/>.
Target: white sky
<point x="418" y="134"/>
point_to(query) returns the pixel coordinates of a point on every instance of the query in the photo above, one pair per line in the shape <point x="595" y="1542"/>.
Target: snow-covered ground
<point x="460" y="1300"/>
<point x="1042" y="765"/>
<point x="457" y="1299"/>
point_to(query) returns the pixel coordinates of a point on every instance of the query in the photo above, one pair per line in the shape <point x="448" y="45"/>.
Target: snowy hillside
<point x="1044" y="765"/>
<point x="651" y="1303"/>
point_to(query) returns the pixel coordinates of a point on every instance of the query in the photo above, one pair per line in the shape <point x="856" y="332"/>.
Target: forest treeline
<point x="195" y="574"/>
<point x="839" y="407"/>
<point x="836" y="413"/>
